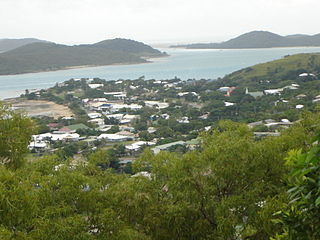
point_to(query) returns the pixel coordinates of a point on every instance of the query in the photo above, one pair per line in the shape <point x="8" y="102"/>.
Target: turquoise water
<point x="185" y="64"/>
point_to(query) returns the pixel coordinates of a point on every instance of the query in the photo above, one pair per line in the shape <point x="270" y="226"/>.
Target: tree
<point x="15" y="134"/>
<point x="300" y="219"/>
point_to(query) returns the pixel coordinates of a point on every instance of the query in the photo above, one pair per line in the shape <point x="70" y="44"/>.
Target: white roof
<point x="113" y="93"/>
<point x="160" y="104"/>
<point x="112" y="137"/>
<point x="95" y="85"/>
<point x="273" y="91"/>
<point x="37" y="145"/>
<point x="59" y="136"/>
<point x="227" y="104"/>
<point x="142" y="174"/>
<point x="131" y="106"/>
<point x="94" y="115"/>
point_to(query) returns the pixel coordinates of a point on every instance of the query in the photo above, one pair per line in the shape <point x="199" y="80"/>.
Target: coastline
<point x="147" y="60"/>
<point x="186" y="48"/>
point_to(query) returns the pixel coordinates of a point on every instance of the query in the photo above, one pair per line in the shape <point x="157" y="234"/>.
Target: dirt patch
<point x="35" y="108"/>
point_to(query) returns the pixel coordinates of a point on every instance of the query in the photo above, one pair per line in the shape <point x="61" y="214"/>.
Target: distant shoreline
<point x="148" y="60"/>
<point x="177" y="47"/>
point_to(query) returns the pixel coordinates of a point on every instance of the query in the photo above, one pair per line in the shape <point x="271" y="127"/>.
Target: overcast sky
<point x="154" y="21"/>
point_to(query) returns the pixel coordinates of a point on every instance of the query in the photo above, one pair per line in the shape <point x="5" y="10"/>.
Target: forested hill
<point x="260" y="39"/>
<point x="9" y="44"/>
<point x="46" y="56"/>
<point x="277" y="71"/>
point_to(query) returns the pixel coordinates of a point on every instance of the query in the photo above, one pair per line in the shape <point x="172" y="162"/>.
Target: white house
<point x="95" y="85"/>
<point x="113" y="137"/>
<point x="94" y="115"/>
<point x="157" y="104"/>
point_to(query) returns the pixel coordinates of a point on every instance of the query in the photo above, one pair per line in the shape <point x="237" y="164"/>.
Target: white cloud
<point x="79" y="21"/>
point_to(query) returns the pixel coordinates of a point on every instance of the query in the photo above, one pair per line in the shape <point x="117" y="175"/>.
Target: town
<point x="127" y="116"/>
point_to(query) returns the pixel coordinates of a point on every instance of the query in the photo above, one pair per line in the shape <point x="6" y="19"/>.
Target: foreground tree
<point x="301" y="218"/>
<point x="15" y="134"/>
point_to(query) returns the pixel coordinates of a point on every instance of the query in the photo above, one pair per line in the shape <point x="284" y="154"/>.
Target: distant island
<point x="47" y="56"/>
<point x="259" y="39"/>
<point x="9" y="44"/>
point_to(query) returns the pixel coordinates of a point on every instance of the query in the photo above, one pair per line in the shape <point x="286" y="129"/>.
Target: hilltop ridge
<point x="48" y="56"/>
<point x="259" y="39"/>
<point x="9" y="44"/>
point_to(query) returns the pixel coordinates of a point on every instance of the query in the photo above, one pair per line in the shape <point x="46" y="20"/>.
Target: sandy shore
<point x="40" y="108"/>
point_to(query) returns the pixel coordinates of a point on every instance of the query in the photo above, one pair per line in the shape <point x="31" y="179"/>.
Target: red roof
<point x="53" y="125"/>
<point x="65" y="129"/>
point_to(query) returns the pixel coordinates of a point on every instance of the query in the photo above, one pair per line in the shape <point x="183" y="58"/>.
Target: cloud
<point x="78" y="21"/>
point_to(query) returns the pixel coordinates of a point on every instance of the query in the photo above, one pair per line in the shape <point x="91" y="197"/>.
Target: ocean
<point x="182" y="63"/>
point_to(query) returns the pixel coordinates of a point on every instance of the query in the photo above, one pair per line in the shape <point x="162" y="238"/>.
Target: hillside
<point x="129" y="46"/>
<point x="288" y="67"/>
<point x="259" y="39"/>
<point x="50" y="56"/>
<point x="9" y="44"/>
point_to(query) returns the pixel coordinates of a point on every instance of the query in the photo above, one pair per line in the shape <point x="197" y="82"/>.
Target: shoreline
<point x="177" y="47"/>
<point x="147" y="60"/>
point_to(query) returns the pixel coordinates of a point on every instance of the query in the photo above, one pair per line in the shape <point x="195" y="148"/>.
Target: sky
<point x="154" y="21"/>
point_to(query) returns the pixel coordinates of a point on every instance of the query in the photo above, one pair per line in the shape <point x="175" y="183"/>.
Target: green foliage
<point x="259" y="39"/>
<point x="15" y="133"/>
<point x="227" y="189"/>
<point x="46" y="56"/>
<point x="301" y="218"/>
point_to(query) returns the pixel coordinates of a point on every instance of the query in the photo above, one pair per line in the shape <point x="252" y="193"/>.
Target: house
<point x="273" y="91"/>
<point x="163" y="147"/>
<point x="57" y="136"/>
<point x="126" y="128"/>
<point x="53" y="126"/>
<point x="301" y="96"/>
<point x="181" y="94"/>
<point x="142" y="174"/>
<point x="137" y="145"/>
<point x="119" y="95"/>
<point x="122" y="163"/>
<point x="127" y="134"/>
<point x="113" y="137"/>
<point x="307" y="75"/>
<point x="94" y="115"/>
<point x="98" y="121"/>
<point x="228" y="104"/>
<point x="78" y="126"/>
<point x="95" y="85"/>
<point x="254" y="124"/>
<point x="118" y="107"/>
<point x="254" y="94"/>
<point x="224" y="89"/>
<point x="266" y="134"/>
<point x="193" y="143"/>
<point x="159" y="105"/>
<point x="37" y="146"/>
<point x="151" y="129"/>
<point x="183" y="120"/>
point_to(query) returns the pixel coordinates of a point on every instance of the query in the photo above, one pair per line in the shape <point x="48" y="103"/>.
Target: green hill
<point x="50" y="56"/>
<point x="260" y="39"/>
<point x="288" y="67"/>
<point x="9" y="44"/>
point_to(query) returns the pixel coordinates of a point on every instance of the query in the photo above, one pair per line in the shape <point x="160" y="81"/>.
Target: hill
<point x="259" y="39"/>
<point x="286" y="68"/>
<point x="47" y="56"/>
<point x="9" y="44"/>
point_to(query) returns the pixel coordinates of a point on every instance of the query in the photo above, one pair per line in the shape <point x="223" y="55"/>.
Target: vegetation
<point x="9" y="44"/>
<point x="260" y="39"/>
<point x="233" y="187"/>
<point x="47" y="56"/>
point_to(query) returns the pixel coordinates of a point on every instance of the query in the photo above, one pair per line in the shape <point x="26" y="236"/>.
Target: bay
<point x="182" y="63"/>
